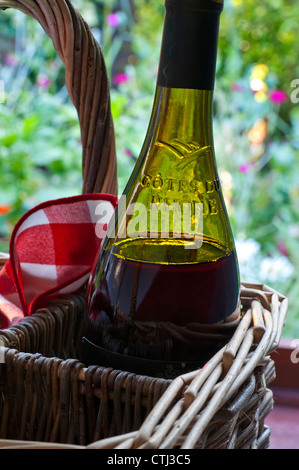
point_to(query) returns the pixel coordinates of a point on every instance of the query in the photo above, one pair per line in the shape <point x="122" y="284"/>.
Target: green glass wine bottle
<point x="168" y="265"/>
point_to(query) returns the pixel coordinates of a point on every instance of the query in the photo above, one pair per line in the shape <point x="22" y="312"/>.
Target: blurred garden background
<point x="256" y="121"/>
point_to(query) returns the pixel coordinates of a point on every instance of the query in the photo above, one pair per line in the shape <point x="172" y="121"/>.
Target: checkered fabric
<point x="52" y="250"/>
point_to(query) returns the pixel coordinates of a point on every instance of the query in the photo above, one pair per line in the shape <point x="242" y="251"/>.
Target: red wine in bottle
<point x="186" y="293"/>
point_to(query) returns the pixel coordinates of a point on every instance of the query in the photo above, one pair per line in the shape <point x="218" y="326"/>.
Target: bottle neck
<point x="183" y="115"/>
<point x="189" y="48"/>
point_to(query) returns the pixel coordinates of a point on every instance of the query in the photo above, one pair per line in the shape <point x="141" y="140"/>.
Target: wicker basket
<point x="50" y="399"/>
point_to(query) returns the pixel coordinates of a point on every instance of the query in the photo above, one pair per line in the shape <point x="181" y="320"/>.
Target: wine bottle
<point x="167" y="270"/>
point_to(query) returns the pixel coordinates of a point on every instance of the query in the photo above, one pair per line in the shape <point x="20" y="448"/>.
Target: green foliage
<point x="40" y="150"/>
<point x="260" y="32"/>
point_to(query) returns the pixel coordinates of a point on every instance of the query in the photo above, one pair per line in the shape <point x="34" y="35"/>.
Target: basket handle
<point x="87" y="84"/>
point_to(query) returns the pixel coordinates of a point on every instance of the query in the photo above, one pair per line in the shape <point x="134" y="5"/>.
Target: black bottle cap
<point x="189" y="45"/>
<point x="196" y="5"/>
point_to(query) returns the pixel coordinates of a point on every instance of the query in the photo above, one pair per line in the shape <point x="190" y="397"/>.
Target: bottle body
<point x="168" y="265"/>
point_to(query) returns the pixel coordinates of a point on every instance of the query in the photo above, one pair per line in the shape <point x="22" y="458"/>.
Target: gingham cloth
<point x="52" y="250"/>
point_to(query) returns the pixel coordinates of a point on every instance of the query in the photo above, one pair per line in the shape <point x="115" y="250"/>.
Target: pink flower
<point x="278" y="96"/>
<point x="11" y="60"/>
<point x="235" y="86"/>
<point x="120" y="78"/>
<point x="282" y="249"/>
<point x="245" y="168"/>
<point x="43" y="81"/>
<point x="113" y="20"/>
<point x="128" y="152"/>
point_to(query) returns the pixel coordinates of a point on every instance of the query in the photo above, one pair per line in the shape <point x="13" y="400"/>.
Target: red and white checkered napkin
<point x="52" y="250"/>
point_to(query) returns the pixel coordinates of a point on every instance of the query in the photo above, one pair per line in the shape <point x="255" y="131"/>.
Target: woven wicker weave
<point x="49" y="399"/>
<point x="48" y="395"/>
